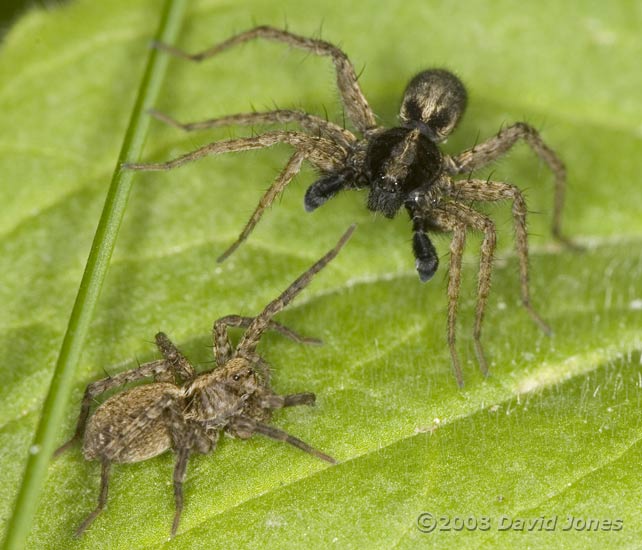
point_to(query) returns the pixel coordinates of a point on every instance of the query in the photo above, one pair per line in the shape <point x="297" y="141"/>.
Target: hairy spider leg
<point x="249" y="426"/>
<point x="320" y="152"/>
<point x="252" y="335"/>
<point x="356" y="104"/>
<point x="458" y="220"/>
<point x="223" y="348"/>
<point x="488" y="190"/>
<point x="102" y="497"/>
<point x="317" y="126"/>
<point x="484" y="153"/>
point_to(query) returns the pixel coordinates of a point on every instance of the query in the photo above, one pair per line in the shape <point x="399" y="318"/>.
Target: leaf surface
<point x="554" y="431"/>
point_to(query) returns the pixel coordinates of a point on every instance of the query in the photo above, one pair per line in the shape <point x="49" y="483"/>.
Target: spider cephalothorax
<point x="186" y="411"/>
<point x="398" y="161"/>
<point x="400" y="167"/>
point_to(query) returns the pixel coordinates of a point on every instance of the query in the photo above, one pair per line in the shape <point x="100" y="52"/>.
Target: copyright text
<point x="428" y="522"/>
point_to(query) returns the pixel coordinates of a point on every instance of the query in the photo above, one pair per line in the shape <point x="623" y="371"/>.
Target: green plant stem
<point x="91" y="284"/>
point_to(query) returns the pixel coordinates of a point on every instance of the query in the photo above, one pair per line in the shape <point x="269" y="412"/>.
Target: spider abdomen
<point x="108" y="430"/>
<point x="397" y="162"/>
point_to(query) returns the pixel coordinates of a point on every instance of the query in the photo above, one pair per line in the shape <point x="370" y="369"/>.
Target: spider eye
<point x="388" y="183"/>
<point x="236" y="377"/>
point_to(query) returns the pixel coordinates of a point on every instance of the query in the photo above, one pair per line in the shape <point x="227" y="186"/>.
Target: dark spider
<point x="400" y="167"/>
<point x="186" y="411"/>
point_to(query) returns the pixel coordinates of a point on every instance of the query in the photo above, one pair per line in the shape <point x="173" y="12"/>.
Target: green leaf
<point x="554" y="431"/>
<point x="54" y="405"/>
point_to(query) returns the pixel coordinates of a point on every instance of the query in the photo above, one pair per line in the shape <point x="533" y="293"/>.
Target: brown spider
<point x="401" y="166"/>
<point x="185" y="411"/>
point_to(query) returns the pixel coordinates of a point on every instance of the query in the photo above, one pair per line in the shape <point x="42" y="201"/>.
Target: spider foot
<point x="143" y="167"/>
<point x="229" y="251"/>
<point x="456" y="365"/>
<point x="166" y="119"/>
<point x="567" y="242"/>
<point x="538" y="319"/>
<point x="481" y="358"/>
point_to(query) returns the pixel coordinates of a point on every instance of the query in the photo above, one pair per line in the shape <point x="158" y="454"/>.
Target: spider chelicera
<point x="401" y="167"/>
